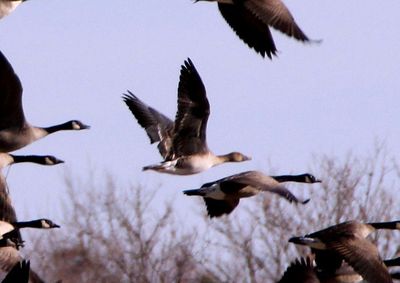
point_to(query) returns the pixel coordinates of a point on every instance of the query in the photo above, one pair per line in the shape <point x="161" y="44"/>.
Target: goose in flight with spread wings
<point x="9" y="254"/>
<point x="15" y="131"/>
<point x="182" y="143"/>
<point x="222" y="196"/>
<point x="251" y="20"/>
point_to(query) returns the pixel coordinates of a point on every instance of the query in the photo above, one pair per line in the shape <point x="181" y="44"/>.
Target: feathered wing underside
<point x="11" y="112"/>
<point x="251" y="29"/>
<point x="259" y="181"/>
<point x="363" y="256"/>
<point x="277" y="15"/>
<point x="301" y="270"/>
<point x="217" y="208"/>
<point x="192" y="115"/>
<point x="157" y="126"/>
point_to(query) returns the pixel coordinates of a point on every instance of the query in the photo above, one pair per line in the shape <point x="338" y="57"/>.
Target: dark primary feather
<point x="158" y="126"/>
<point x="300" y="271"/>
<point x="216" y="208"/>
<point x="11" y="112"/>
<point x="192" y="115"/>
<point x="252" y="30"/>
<point x="19" y="273"/>
<point x="277" y="15"/>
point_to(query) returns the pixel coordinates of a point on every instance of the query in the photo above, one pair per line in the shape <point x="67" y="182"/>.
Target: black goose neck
<point x="29" y="224"/>
<point x="386" y="225"/>
<point x="59" y="127"/>
<point x="28" y="158"/>
<point x="289" y="178"/>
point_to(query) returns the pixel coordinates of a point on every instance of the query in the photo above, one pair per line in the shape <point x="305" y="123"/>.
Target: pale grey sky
<point x="76" y="58"/>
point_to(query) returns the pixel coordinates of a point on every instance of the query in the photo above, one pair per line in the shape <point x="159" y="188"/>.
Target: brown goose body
<point x="182" y="143"/>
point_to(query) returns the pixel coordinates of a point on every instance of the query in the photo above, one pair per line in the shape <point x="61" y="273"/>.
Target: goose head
<point x="78" y="125"/>
<point x="310" y="179"/>
<point x="47" y="224"/>
<point x="52" y="160"/>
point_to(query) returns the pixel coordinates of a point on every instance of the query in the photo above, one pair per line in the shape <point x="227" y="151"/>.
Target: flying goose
<point x="15" y="131"/>
<point x="7" y="159"/>
<point x="8" y="230"/>
<point x="347" y="241"/>
<point x="182" y="143"/>
<point x="222" y="196"/>
<point x="19" y="273"/>
<point x="7" y="6"/>
<point x="7" y="212"/>
<point x="251" y="20"/>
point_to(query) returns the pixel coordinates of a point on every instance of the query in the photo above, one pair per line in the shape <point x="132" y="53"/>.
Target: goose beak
<point x="58" y="161"/>
<point x="85" y="127"/>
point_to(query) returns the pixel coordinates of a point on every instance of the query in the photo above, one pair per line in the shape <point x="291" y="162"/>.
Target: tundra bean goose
<point x="182" y="143"/>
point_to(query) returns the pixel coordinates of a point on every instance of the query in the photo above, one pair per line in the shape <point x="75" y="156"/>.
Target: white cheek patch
<point x="75" y="126"/>
<point x="45" y="224"/>
<point x="216" y="193"/>
<point x="48" y="161"/>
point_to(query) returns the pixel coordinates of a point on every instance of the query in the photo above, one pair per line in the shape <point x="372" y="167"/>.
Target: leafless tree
<point x="255" y="240"/>
<point x="118" y="235"/>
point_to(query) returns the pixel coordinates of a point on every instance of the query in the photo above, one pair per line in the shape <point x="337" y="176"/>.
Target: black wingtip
<point x="305" y="201"/>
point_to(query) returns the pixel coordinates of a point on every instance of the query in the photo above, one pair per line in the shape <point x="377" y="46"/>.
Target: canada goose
<point x="7" y="159"/>
<point x="251" y="19"/>
<point x="19" y="273"/>
<point x="222" y="196"/>
<point x="7" y="212"/>
<point x="7" y="6"/>
<point x="182" y="143"/>
<point x="347" y="241"/>
<point x="11" y="230"/>
<point x="15" y="131"/>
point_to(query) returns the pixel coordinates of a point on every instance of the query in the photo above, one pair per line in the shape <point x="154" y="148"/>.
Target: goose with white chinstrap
<point x="15" y="131"/>
<point x="222" y="196"/>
